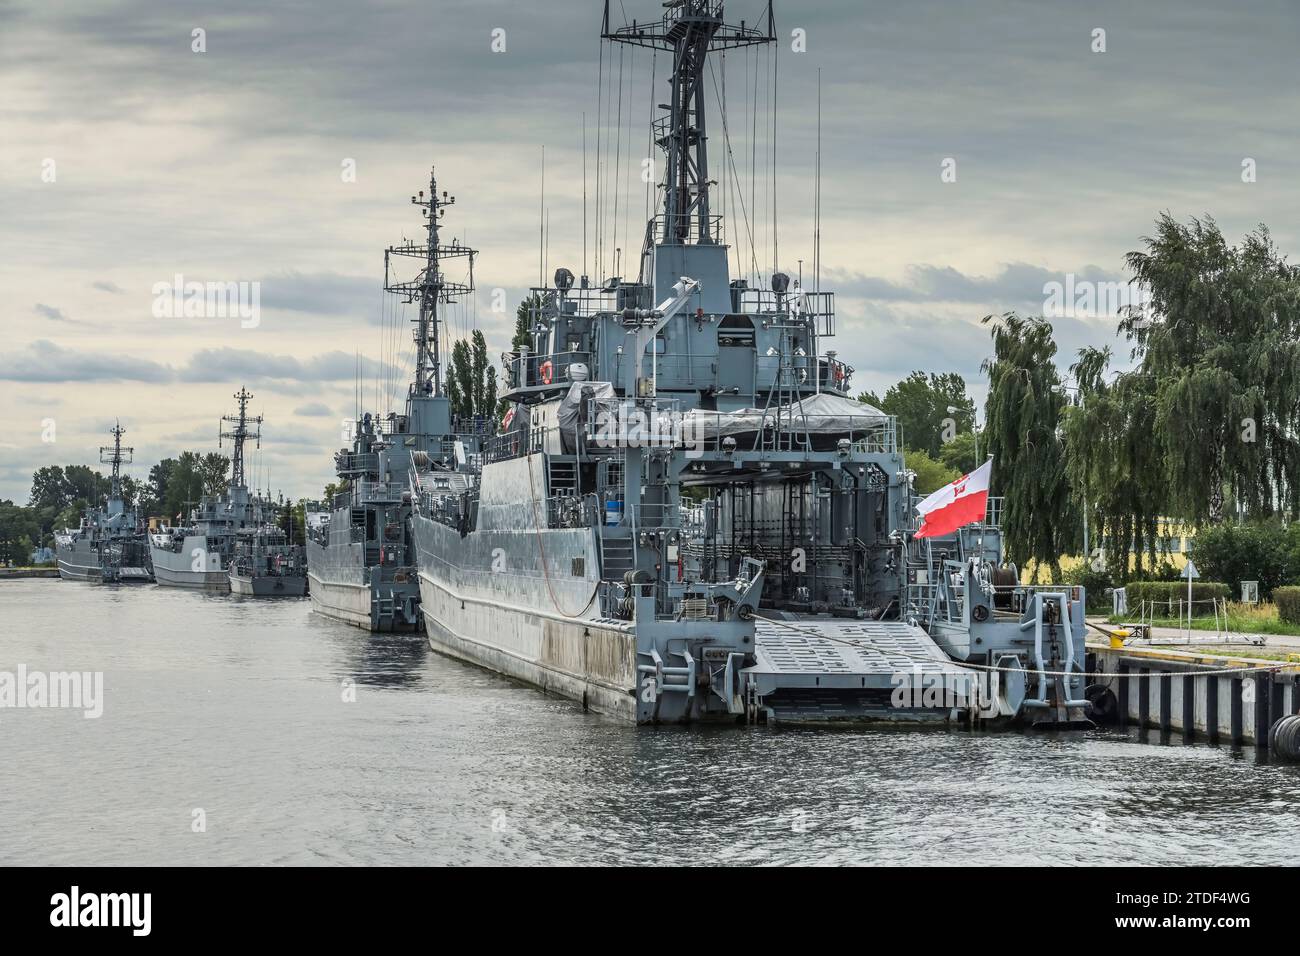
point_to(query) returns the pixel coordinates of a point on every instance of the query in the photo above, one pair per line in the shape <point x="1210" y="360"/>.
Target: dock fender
<point x="1103" y="707"/>
<point x="1012" y="685"/>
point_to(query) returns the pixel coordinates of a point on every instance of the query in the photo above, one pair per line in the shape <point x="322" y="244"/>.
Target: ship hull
<point x="79" y="561"/>
<point x="505" y="623"/>
<point x="176" y="569"/>
<point x="268" y="585"/>
<point x="339" y="588"/>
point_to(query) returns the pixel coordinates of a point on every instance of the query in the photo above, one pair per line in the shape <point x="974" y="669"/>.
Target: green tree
<point x="524" y="321"/>
<point x="19" y="528"/>
<point x="959" y="453"/>
<point x="1112" y="463"/>
<point x="930" y="475"/>
<point x="1022" y="431"/>
<point x="213" y="468"/>
<point x="184" y="486"/>
<point x="1234" y="553"/>
<point x="292" y="519"/>
<point x="921" y="403"/>
<point x="1220" y="338"/>
<point x="153" y="498"/>
<point x="49" y="489"/>
<point x="85" y="483"/>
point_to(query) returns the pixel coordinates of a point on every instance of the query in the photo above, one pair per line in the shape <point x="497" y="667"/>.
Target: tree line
<point x="1202" y="426"/>
<point x="61" y="493"/>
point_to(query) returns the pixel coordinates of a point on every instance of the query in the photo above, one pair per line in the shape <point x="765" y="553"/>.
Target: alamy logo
<point x="73" y="690"/>
<point x="629" y="426"/>
<point x="946" y="690"/>
<point x="179" y="299"/>
<point x="102" y="909"/>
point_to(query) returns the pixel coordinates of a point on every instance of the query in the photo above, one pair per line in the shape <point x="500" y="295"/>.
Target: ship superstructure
<point x="110" y="545"/>
<point x="197" y="554"/>
<point x="267" y="563"/>
<point x="688" y="516"/>
<point x="361" y="561"/>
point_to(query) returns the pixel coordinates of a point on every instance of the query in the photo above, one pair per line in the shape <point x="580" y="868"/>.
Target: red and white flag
<point x="962" y="502"/>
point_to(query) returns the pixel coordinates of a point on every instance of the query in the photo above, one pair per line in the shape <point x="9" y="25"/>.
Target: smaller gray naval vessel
<point x="110" y="546"/>
<point x="197" y="555"/>
<point x="266" y="563"/>
<point x="361" y="561"/>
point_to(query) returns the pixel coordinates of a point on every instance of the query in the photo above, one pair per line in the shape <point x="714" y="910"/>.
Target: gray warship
<point x="266" y="563"/>
<point x="198" y="554"/>
<point x="689" y="518"/>
<point x="361" y="563"/>
<point x="110" y="546"/>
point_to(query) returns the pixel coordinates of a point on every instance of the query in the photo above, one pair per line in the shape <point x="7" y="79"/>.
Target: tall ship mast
<point x="196" y="553"/>
<point x="361" y="564"/>
<point x="689" y="517"/>
<point x="109" y="546"/>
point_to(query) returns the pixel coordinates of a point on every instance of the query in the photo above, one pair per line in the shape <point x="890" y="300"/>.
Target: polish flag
<point x="962" y="502"/>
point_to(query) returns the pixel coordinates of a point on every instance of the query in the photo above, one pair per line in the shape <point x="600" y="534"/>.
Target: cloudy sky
<point x="127" y="159"/>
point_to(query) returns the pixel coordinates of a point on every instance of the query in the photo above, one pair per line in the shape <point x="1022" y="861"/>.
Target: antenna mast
<point x="689" y="29"/>
<point x="243" y="429"/>
<point x="117" y="456"/>
<point x="430" y="287"/>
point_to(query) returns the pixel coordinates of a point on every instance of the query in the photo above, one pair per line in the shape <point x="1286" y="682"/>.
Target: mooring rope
<point x="1274" y="667"/>
<point x="541" y="551"/>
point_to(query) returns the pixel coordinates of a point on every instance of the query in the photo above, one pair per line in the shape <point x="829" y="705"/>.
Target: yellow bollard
<point x="1117" y="638"/>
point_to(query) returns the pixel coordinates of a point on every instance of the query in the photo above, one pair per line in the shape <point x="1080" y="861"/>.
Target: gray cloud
<point x="313" y="410"/>
<point x="43" y="361"/>
<point x="105" y="285"/>
<point x="50" y="312"/>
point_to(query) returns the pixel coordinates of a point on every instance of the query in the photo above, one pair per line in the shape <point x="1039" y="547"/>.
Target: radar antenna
<point x="430" y="287"/>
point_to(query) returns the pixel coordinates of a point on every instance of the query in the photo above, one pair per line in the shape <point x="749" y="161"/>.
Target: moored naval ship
<point x="361" y="563"/>
<point x="688" y="517"/>
<point x="109" y="546"/>
<point x="266" y="563"/>
<point x="197" y="554"/>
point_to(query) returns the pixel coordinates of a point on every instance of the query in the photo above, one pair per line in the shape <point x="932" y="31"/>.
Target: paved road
<point x="1279" y="642"/>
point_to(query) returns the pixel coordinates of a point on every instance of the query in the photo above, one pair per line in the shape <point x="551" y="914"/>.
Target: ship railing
<point x="921" y="601"/>
<point x="515" y="444"/>
<point x="880" y="438"/>
<point x="348" y="463"/>
<point x="531" y="369"/>
<point x="379" y="492"/>
<point x="686" y="225"/>
<point x="797" y="305"/>
<point x="626" y="423"/>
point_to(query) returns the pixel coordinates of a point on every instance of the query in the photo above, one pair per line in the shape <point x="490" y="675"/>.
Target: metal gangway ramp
<point x="818" y="669"/>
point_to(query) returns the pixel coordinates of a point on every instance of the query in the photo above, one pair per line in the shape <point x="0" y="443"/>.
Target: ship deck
<point x="826" y="669"/>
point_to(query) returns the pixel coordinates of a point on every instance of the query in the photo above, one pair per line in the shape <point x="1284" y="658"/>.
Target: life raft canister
<point x="547" y="371"/>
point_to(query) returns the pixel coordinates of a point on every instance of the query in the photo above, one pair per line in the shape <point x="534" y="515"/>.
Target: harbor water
<point x="247" y="732"/>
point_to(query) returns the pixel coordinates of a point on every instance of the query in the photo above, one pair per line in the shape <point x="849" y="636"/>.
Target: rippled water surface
<point x="237" y="707"/>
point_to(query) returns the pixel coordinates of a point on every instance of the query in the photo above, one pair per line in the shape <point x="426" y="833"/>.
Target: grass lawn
<point x="1242" y="618"/>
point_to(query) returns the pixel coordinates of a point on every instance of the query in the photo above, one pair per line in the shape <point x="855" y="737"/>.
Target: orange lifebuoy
<point x="547" y="371"/>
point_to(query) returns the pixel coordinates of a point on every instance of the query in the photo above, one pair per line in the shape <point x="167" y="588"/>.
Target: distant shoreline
<point x="6" y="573"/>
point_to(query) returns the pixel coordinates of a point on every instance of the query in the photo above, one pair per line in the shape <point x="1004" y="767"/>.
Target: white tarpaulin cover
<point x="817" y="414"/>
<point x="566" y="416"/>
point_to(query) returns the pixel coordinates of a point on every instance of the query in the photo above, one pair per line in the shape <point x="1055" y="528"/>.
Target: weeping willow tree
<point x="1219" y="338"/>
<point x="1114" y="467"/>
<point x="1022" y="425"/>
